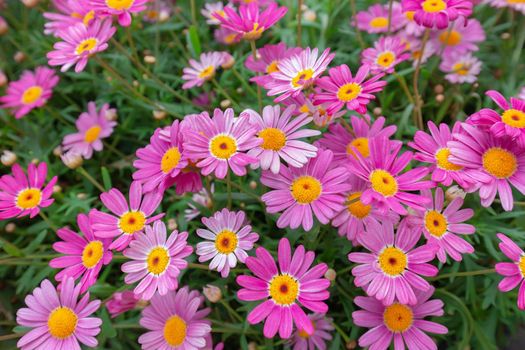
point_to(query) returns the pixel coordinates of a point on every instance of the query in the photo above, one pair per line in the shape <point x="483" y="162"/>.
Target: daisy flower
<point x="514" y="272"/>
<point x="284" y="290"/>
<point x="375" y="18"/>
<point x="461" y="36"/>
<point x="521" y="94"/>
<point x="125" y="220"/>
<point x="341" y="90"/>
<point x="71" y="13"/>
<point x="297" y="73"/>
<point x="320" y="116"/>
<point x="515" y="5"/>
<point x="226" y="36"/>
<point x="80" y="43"/>
<point x="32" y="90"/>
<point x="411" y="27"/>
<point x="404" y="324"/>
<point x="323" y="326"/>
<point x="156" y="260"/>
<point x="414" y="46"/>
<point x="203" y="70"/>
<point x="121" y="302"/>
<point x="213" y="8"/>
<point x="228" y="238"/>
<point x="461" y="68"/>
<point x="387" y="53"/>
<point x="92" y="127"/>
<point x="280" y="135"/>
<point x="392" y="269"/>
<point x="203" y="199"/>
<point x="22" y="194"/>
<point x="437" y="13"/>
<point x="84" y="255"/>
<point x="120" y="8"/>
<point x="58" y="320"/>
<point x="267" y="62"/>
<point x="175" y="321"/>
<point x="496" y="163"/>
<point x="220" y="142"/>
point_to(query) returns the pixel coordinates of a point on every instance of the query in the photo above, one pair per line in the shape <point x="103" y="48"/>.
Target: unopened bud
<point x="159" y="115"/>
<point x="172" y="224"/>
<point x="310" y="15"/>
<point x="505" y="36"/>
<point x="239" y="90"/>
<point x="19" y="57"/>
<point x="150" y="59"/>
<point x="4" y="27"/>
<point x="377" y="111"/>
<point x="35" y="161"/>
<point x="57" y="151"/>
<point x="226" y="103"/>
<point x="10" y="227"/>
<point x="3" y="78"/>
<point x="8" y="158"/>
<point x="57" y="189"/>
<point x="30" y="3"/>
<point x="253" y="185"/>
<point x="330" y="274"/>
<point x="164" y="16"/>
<point x="212" y="293"/>
<point x="81" y="195"/>
<point x="252" y="345"/>
<point x="351" y="345"/>
<point x="440" y="98"/>
<point x="111" y="114"/>
<point x="227" y="61"/>
<point x="438" y="89"/>
<point x="136" y="83"/>
<point x="454" y="192"/>
<point x="72" y="159"/>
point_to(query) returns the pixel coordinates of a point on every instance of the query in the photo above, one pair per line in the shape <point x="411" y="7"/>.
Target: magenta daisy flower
<point x="203" y="70"/>
<point x="387" y="53"/>
<point x="120" y="8"/>
<point x="220" y="142"/>
<point x="71" y="13"/>
<point x="226" y="36"/>
<point x="495" y="164"/>
<point x="32" y="90"/>
<point x="126" y="219"/>
<point x="461" y="68"/>
<point x="437" y="13"/>
<point x="285" y="289"/>
<point x="317" y="187"/>
<point x="156" y="260"/>
<point x="514" y="272"/>
<point x="175" y="321"/>
<point x="462" y="36"/>
<point x="84" y="255"/>
<point x="392" y="269"/>
<point x="268" y="58"/>
<point x="323" y="326"/>
<point x="121" y="302"/>
<point x="319" y="113"/>
<point x="58" y="320"/>
<point x="79" y="43"/>
<point x="228" y="238"/>
<point x="375" y="18"/>
<point x="404" y="324"/>
<point x="22" y="194"/>
<point x="92" y="127"/>
<point x="280" y="135"/>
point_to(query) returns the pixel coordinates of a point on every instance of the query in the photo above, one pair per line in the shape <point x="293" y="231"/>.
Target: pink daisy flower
<point x="317" y="187"/>
<point x="509" y="123"/>
<point x="175" y="321"/>
<point x="203" y="199"/>
<point x="462" y="36"/>
<point x="121" y="302"/>
<point x="495" y="164"/>
<point x="120" y="8"/>
<point x="84" y="255"/>
<point x="71" y="13"/>
<point x="414" y="46"/>
<point x="411" y="27"/>
<point x="126" y="219"/>
<point x="32" y="90"/>
<point x="202" y="71"/>
<point x="22" y="194"/>
<point x="521" y="94"/>
<point x="92" y="127"/>
<point x="515" y="5"/>
<point x="341" y="90"/>
<point x="387" y="53"/>
<point x="80" y="43"/>
<point x="228" y="239"/>
<point x="320" y="115"/>
<point x="461" y="68"/>
<point x="226" y="36"/>
<point x="284" y="290"/>
<point x="514" y="272"/>
<point x="323" y="326"/>
<point x="220" y="142"/>
<point x="437" y="13"/>
<point x="404" y="324"/>
<point x="210" y="9"/>
<point x="58" y="320"/>
<point x="280" y="135"/>
<point x="392" y="269"/>
<point x="156" y="260"/>
<point x="268" y="60"/>
<point x="375" y="18"/>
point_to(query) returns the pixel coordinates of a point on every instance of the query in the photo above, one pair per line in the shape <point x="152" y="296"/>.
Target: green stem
<point x="229" y="187"/>
<point x="231" y="310"/>
<point x="417" y="98"/>
<point x="242" y="80"/>
<point x="390" y="5"/>
<point x="342" y="333"/>
<point x="90" y="178"/>
<point x="193" y="13"/>
<point x="48" y="222"/>
<point x="259" y="93"/>
<point x="463" y="274"/>
<point x="224" y="93"/>
<point x="357" y="32"/>
<point x="299" y="24"/>
<point x="404" y="86"/>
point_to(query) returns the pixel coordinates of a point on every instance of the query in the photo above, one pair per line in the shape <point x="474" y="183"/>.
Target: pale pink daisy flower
<point x="460" y="68"/>
<point x="387" y="53"/>
<point x="392" y="269"/>
<point x="125" y="220"/>
<point x="71" y="13"/>
<point x="226" y="36"/>
<point x="284" y="290"/>
<point x="437" y="13"/>
<point x="414" y="46"/>
<point x="228" y="239"/>
<point x="323" y="326"/>
<point x="158" y="11"/>
<point x="514" y="272"/>
<point x="521" y="94"/>
<point x="267" y="62"/>
<point x="461" y="36"/>
<point x="515" y="5"/>
<point x="32" y="90"/>
<point x="120" y="8"/>
<point x="80" y="43"/>
<point x="175" y="321"/>
<point x="212" y="8"/>
<point x="203" y="70"/>
<point x="320" y="115"/>
<point x="280" y="135"/>
<point x="58" y="320"/>
<point x="375" y="18"/>
<point x="22" y="194"/>
<point x="411" y="27"/>
<point x="121" y="302"/>
<point x="203" y="199"/>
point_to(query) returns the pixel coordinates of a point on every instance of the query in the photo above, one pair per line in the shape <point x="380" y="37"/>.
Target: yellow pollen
<point x="410" y="15"/>
<point x="88" y="17"/>
<point x="230" y="38"/>
<point x="379" y="22"/>
<point x="383" y="182"/>
<point x="416" y="54"/>
<point x="272" y="67"/>
<point x="386" y="59"/>
<point x="32" y="94"/>
<point x="207" y="73"/>
<point x="255" y="33"/>
<point x="170" y="160"/>
<point x="521" y="265"/>
<point x="361" y="144"/>
<point x="356" y="207"/>
<point x="226" y="242"/>
<point x="460" y="68"/>
<point x="273" y="139"/>
<point x="514" y="118"/>
<point x="392" y="261"/>
<point x="119" y="4"/>
<point x="516" y="2"/>
<point x="92" y="254"/>
<point x="223" y="146"/>
<point x="499" y="162"/>
<point x="62" y="322"/>
<point x="442" y="161"/>
<point x="302" y="333"/>
<point x="76" y="15"/>
<point x="92" y="133"/>
<point x="436" y="223"/>
<point x="398" y="318"/>
<point x="86" y="45"/>
<point x="306" y="189"/>
<point x="175" y="331"/>
<point x="158" y="260"/>
<point x="304" y="109"/>
<point x="433" y="6"/>
<point x="29" y="198"/>
<point x="303" y="78"/>
<point x="132" y="221"/>
<point x="451" y="38"/>
<point x="348" y="92"/>
<point x="284" y="289"/>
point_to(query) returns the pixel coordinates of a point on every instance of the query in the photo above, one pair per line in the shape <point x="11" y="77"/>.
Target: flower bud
<point x="253" y="185"/>
<point x="227" y="60"/>
<point x="377" y="111"/>
<point x="4" y="27"/>
<point x="159" y="114"/>
<point x="111" y="114"/>
<point x="225" y="104"/>
<point x="57" y="151"/>
<point x="19" y="57"/>
<point x="310" y="16"/>
<point x="440" y="98"/>
<point x="10" y="227"/>
<point x="330" y="275"/>
<point x="30" y="3"/>
<point x="172" y="224"/>
<point x="505" y="36"/>
<point x="351" y="345"/>
<point x="252" y="345"/>
<point x="454" y="192"/>
<point x="57" y="189"/>
<point x="150" y="59"/>
<point x="3" y="78"/>
<point x="81" y="195"/>
<point x="72" y="159"/>
<point x="438" y="89"/>
<point x="212" y="293"/>
<point x="136" y="83"/>
<point x="35" y="161"/>
<point x="164" y="16"/>
<point x="8" y="158"/>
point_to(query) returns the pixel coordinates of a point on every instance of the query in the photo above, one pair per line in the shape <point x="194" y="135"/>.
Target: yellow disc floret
<point x="398" y="318"/>
<point x="273" y="139"/>
<point x="170" y="160"/>
<point x="348" y="92"/>
<point x="392" y="261"/>
<point x="92" y="254"/>
<point x="433" y="6"/>
<point x="284" y="289"/>
<point x="132" y="221"/>
<point x="499" y="162"/>
<point x="223" y="146"/>
<point x="383" y="182"/>
<point x="158" y="260"/>
<point x="356" y="207"/>
<point x="436" y="223"/>
<point x="514" y="118"/>
<point x="29" y="198"/>
<point x="62" y="322"/>
<point x="442" y="161"/>
<point x="306" y="189"/>
<point x="175" y="331"/>
<point x="226" y="242"/>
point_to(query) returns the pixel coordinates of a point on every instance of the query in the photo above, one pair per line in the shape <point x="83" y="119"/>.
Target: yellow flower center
<point x="226" y="242"/>
<point x="392" y="261"/>
<point x="386" y="59"/>
<point x="273" y="139"/>
<point x="255" y="33"/>
<point x="207" y="73"/>
<point x="92" y="133"/>
<point x="460" y="68"/>
<point x="119" y="4"/>
<point x="302" y="333"/>
<point x="284" y="289"/>
<point x="379" y="22"/>
<point x="398" y="318"/>
<point x="514" y="118"/>
<point x="32" y="94"/>
<point x="348" y="92"/>
<point x="223" y="146"/>
<point x="304" y="109"/>
<point x="499" y="162"/>
<point x="306" y="189"/>
<point x="442" y="160"/>
<point x="521" y="265"/>
<point x="410" y="15"/>
<point x="516" y="2"/>
<point x="62" y="322"/>
<point x="175" y="331"/>
<point x="272" y="67"/>
<point x="356" y="207"/>
<point x="158" y="260"/>
<point x="451" y="38"/>
<point x="361" y="144"/>
<point x="86" y="45"/>
<point x="302" y="78"/>
<point x="434" y="6"/>
<point x="92" y="254"/>
<point x="170" y="160"/>
<point x="383" y="182"/>
<point x="230" y="38"/>
<point x="88" y="17"/>
<point x="29" y="198"/>
<point x="436" y="223"/>
<point x="132" y="221"/>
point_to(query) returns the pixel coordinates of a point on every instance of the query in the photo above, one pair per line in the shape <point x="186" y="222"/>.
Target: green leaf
<point x="10" y="248"/>
<point x="106" y="178"/>
<point x="194" y="43"/>
<point x="107" y="327"/>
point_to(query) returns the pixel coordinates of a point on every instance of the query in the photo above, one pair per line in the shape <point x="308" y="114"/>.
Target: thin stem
<point x="463" y="274"/>
<point x="224" y="93"/>
<point x="417" y="98"/>
<point x="193" y="13"/>
<point x="229" y="187"/>
<point x="404" y="86"/>
<point x="95" y="183"/>
<point x="11" y="336"/>
<point x="342" y="333"/>
<point x="357" y="32"/>
<point x="259" y="93"/>
<point x="243" y="82"/>
<point x="347" y="126"/>
<point x="129" y="35"/>
<point x="48" y="222"/>
<point x="390" y="5"/>
<point x="299" y="24"/>
<point x="231" y="310"/>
